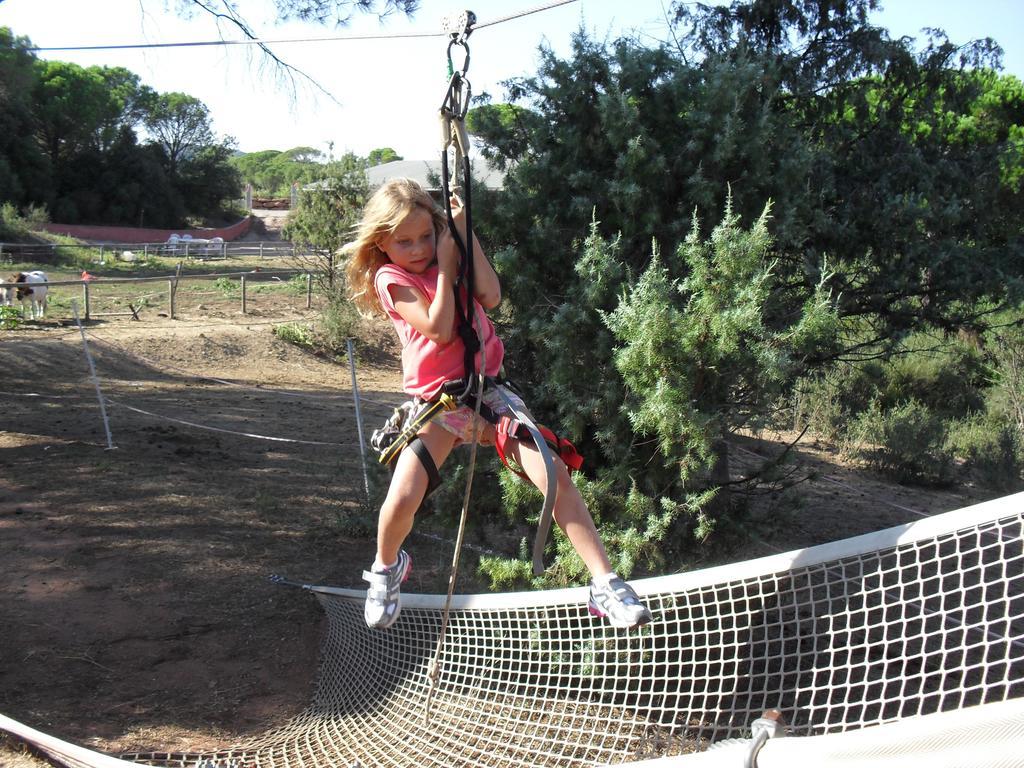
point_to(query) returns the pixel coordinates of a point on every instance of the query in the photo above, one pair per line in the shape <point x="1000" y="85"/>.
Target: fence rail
<point x="245" y="279"/>
<point x="190" y="249"/>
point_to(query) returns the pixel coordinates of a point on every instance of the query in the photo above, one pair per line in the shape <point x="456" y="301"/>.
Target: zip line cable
<point x="340" y="38"/>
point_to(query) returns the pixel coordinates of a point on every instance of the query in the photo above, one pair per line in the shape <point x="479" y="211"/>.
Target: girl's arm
<point x="434" y="319"/>
<point x="486" y="286"/>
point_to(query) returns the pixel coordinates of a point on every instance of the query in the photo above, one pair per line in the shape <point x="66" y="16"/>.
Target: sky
<point x="386" y="92"/>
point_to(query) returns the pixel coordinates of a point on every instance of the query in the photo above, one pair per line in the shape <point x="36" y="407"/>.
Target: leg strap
<point x="433" y="476"/>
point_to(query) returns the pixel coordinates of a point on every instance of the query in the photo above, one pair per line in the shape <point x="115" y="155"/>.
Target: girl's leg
<point x="405" y="493"/>
<point x="570" y="510"/>
<point x="610" y="596"/>
<point x="391" y="567"/>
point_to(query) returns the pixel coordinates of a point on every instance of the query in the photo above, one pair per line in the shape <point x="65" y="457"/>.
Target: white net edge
<point x="982" y="736"/>
<point x="62" y="751"/>
<point x="929" y="527"/>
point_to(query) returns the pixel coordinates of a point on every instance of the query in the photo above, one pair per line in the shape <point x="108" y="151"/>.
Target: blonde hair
<point x="384" y="212"/>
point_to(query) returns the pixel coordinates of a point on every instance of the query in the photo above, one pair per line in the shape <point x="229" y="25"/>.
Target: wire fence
<point x="188" y="248"/>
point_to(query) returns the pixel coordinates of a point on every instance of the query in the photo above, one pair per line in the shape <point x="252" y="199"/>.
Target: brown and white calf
<point x="30" y="289"/>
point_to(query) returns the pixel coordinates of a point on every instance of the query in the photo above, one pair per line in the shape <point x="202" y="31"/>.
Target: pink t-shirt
<point x="427" y="365"/>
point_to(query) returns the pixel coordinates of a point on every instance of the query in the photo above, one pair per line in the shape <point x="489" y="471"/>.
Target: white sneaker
<point x="383" y="597"/>
<point x="617" y="602"/>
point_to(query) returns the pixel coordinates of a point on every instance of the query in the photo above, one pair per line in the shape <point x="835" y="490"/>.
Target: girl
<point x="404" y="262"/>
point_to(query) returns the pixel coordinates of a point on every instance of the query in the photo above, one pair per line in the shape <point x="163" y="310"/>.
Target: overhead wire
<point x="283" y="41"/>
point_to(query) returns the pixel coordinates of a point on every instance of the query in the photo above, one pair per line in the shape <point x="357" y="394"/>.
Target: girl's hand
<point x="447" y="255"/>
<point x="459" y="216"/>
<point x="458" y="209"/>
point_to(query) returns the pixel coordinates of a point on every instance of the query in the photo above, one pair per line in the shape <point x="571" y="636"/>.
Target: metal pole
<point x="359" y="416"/>
<point x="92" y="374"/>
<point x="243" y="294"/>
<point x="309" y="290"/>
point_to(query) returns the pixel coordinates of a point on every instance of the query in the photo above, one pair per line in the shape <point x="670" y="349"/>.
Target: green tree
<point x="80" y="114"/>
<point x="325" y="216"/>
<point x="24" y="168"/>
<point x="272" y="173"/>
<point x="507" y="128"/>
<point x="72" y="106"/>
<point x="382" y="155"/>
<point x="908" y="203"/>
<point x="702" y="354"/>
<point x="207" y="180"/>
<point x="698" y="352"/>
<point x="179" y="124"/>
<point x="892" y="173"/>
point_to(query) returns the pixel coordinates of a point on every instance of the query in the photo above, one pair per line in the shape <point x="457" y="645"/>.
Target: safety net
<point x="920" y="619"/>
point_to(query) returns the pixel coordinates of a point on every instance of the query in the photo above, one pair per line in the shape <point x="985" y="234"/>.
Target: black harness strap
<point x="433" y="476"/>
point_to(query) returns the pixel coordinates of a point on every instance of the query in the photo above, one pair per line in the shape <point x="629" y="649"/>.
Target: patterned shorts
<point x="460" y="421"/>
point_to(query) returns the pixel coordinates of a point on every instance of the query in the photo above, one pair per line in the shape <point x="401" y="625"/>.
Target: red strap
<point x="508" y="427"/>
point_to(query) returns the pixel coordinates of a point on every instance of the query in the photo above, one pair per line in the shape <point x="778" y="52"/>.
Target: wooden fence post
<point x="170" y="295"/>
<point x="309" y="290"/>
<point x="243" y="294"/>
<point x="85" y="297"/>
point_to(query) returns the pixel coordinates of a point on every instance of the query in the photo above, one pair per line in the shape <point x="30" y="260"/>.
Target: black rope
<point x="453" y="109"/>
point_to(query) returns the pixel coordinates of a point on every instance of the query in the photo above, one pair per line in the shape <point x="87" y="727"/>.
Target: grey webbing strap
<point x="546" y="513"/>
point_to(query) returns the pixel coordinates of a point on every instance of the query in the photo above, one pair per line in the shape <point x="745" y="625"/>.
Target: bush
<point x="826" y="404"/>
<point x="228" y="286"/>
<point x="10" y="318"/>
<point x="341" y="321"/>
<point x="297" y="334"/>
<point x="906" y="442"/>
<point x="990" y="446"/>
<point x="948" y="376"/>
<point x="15" y="225"/>
<point x="12" y="225"/>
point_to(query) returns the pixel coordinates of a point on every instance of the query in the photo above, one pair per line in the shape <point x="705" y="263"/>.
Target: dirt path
<point x="135" y="604"/>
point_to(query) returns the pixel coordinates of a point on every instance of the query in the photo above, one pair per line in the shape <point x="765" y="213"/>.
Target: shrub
<point x="10" y="318"/>
<point x="826" y="403"/>
<point x="906" y="442"/>
<point x="15" y="225"/>
<point x="297" y="284"/>
<point x="35" y="215"/>
<point x="228" y="286"/>
<point x="341" y="321"/>
<point x="12" y="225"/>
<point x="297" y="334"/>
<point x="990" y="446"/>
<point x="1007" y="397"/>
<point x="948" y="376"/>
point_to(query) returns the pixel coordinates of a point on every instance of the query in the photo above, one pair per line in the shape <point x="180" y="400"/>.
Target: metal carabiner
<point x="457" y="97"/>
<point x="465" y="60"/>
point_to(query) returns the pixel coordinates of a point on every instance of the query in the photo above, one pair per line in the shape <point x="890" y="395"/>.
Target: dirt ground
<point x="136" y="612"/>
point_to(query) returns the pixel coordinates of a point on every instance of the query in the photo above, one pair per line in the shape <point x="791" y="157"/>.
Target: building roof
<point x="428" y="173"/>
